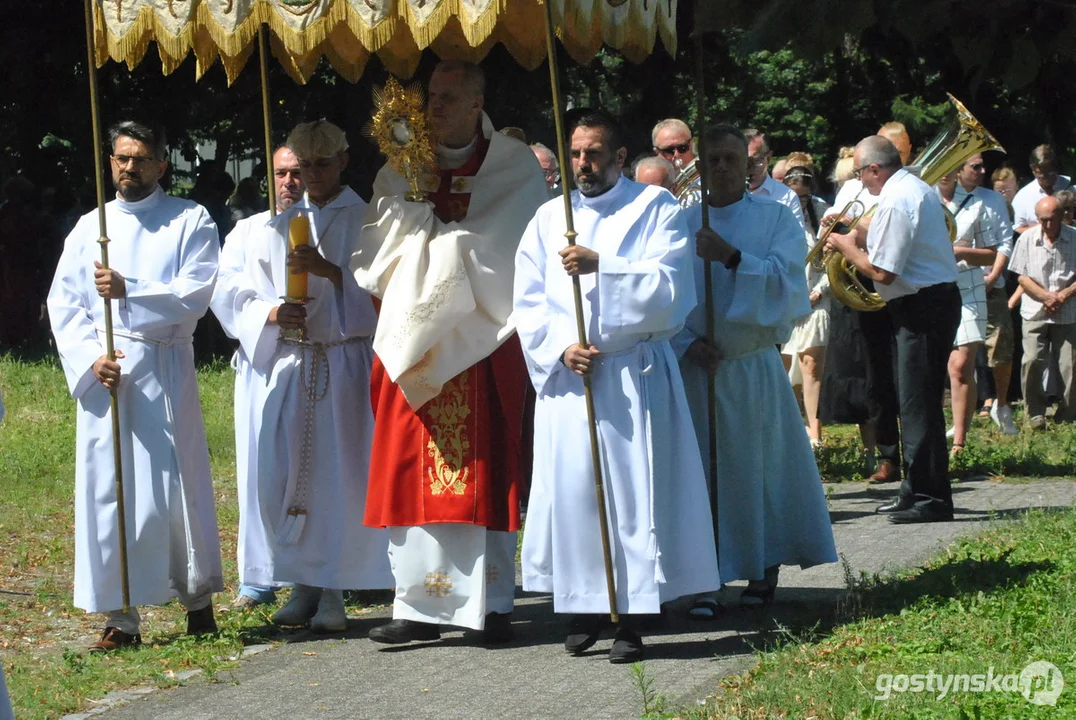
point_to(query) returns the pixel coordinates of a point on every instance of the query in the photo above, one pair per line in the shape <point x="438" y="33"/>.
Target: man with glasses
<point x="672" y="141"/>
<point x="908" y="256"/>
<point x="1000" y="338"/>
<point x="550" y="169"/>
<point x="760" y="183"/>
<point x="876" y="328"/>
<point x="1046" y="167"/>
<point x="163" y="264"/>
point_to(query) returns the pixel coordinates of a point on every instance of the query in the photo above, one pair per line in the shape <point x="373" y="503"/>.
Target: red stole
<point x="457" y="459"/>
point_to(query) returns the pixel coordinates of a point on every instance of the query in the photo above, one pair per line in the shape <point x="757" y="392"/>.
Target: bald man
<point x="1045" y="260"/>
<point x="908" y="256"/>
<point x="655" y="170"/>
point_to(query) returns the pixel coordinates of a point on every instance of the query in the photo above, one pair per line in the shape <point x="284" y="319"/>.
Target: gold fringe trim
<point x="342" y="36"/>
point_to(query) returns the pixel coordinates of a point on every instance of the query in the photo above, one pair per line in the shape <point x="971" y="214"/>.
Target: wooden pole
<point x="110" y="348"/>
<point x="708" y="280"/>
<point x="570" y="234"/>
<point x="263" y="56"/>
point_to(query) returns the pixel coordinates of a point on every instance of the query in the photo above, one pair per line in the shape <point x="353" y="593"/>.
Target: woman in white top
<point x="805" y="352"/>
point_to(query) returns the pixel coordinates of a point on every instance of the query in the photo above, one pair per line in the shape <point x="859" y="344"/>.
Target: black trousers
<point x="924" y="327"/>
<point x="877" y="330"/>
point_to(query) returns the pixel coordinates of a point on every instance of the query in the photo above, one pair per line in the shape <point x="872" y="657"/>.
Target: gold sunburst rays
<point x="400" y="131"/>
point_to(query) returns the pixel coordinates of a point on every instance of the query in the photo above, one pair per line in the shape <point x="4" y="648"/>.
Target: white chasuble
<point x="659" y="519"/>
<point x="311" y="424"/>
<point x="166" y="249"/>
<point x="771" y="507"/>
<point x="446" y="287"/>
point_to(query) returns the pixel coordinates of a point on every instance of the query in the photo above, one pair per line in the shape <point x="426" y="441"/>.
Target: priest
<point x="634" y="265"/>
<point x="254" y="557"/>
<point x="310" y="404"/>
<point x="163" y="263"/>
<point x="449" y="381"/>
<point x="771" y="510"/>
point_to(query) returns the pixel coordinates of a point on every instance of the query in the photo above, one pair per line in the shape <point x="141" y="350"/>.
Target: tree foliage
<point x="814" y="74"/>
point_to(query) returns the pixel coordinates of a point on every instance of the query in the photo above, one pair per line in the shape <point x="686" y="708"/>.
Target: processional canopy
<point x="348" y="32"/>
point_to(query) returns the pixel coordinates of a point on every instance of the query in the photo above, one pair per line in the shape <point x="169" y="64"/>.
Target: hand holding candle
<point x="298" y="236"/>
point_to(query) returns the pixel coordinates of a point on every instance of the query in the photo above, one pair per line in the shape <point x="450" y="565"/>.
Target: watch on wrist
<point x="734" y="260"/>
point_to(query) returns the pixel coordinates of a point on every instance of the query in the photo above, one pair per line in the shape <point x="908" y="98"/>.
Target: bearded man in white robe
<point x="311" y="422"/>
<point x="634" y="265"/>
<point x="163" y="263"/>
<point x="252" y="546"/>
<point x="771" y="510"/>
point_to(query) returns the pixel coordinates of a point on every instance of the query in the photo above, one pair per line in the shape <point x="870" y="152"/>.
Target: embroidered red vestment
<point x="458" y="458"/>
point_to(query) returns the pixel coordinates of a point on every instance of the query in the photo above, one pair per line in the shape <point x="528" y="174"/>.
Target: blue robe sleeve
<point x="769" y="288"/>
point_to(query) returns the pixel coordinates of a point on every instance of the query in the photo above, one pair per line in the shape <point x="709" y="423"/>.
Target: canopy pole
<point x="708" y="279"/>
<point x="110" y="348"/>
<point x="599" y="489"/>
<point x="263" y="57"/>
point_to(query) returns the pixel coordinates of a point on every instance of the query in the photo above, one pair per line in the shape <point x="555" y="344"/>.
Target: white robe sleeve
<point x="70" y="315"/>
<point x="252" y="304"/>
<point x="230" y="278"/>
<point x="655" y="292"/>
<point x="152" y="303"/>
<point x="770" y="289"/>
<point x="544" y="332"/>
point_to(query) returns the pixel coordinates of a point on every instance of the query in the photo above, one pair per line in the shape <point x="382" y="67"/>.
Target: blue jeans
<point x="258" y="593"/>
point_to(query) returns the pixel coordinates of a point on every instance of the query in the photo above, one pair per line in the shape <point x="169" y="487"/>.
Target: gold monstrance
<point x="399" y="128"/>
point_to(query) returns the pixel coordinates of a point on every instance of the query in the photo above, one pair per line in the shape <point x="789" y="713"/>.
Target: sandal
<point x="761" y="595"/>
<point x="704" y="608"/>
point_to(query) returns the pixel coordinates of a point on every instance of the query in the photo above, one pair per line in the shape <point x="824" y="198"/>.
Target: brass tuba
<point x="844" y="283"/>
<point x="961" y="139"/>
<point x="685" y="187"/>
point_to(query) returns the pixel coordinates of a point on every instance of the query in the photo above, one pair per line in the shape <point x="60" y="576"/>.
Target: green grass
<point x="42" y="635"/>
<point x="989" y="453"/>
<point x="1000" y="600"/>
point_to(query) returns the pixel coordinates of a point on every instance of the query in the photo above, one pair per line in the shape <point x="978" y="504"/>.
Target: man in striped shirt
<point x="1045" y="260"/>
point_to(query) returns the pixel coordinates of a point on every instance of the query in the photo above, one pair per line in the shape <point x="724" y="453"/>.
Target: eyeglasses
<point x="856" y="172"/>
<point x="138" y="160"/>
<point x="682" y="148"/>
<point x="757" y="162"/>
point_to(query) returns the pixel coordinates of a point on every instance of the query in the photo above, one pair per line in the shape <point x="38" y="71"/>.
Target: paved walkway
<point x="533" y="677"/>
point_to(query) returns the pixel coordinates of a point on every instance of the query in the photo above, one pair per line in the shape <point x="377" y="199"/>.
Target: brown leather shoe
<point x="887" y="472"/>
<point x="201" y="622"/>
<point x="114" y="639"/>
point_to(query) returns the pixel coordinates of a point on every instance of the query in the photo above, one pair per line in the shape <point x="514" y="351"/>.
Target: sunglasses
<point x="672" y="149"/>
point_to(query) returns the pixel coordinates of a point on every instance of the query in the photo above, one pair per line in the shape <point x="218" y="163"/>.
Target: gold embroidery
<point x="438" y="584"/>
<point x="449" y="444"/>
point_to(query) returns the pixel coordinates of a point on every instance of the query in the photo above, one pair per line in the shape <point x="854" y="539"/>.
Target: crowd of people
<point x="427" y="378"/>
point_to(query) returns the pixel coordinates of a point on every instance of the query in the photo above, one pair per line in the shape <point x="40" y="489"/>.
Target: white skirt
<point x="811" y="331"/>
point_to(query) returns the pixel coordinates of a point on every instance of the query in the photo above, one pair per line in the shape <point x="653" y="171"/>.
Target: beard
<point x="134" y="189"/>
<point x="594" y="184"/>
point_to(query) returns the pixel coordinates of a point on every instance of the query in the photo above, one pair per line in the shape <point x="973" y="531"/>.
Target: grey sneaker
<point x="1002" y="417"/>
